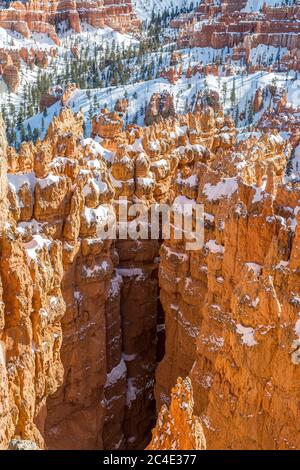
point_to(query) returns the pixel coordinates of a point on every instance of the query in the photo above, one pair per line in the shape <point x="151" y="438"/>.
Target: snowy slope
<point x="12" y="40"/>
<point x="256" y="5"/>
<point x="144" y="8"/>
<point x="139" y="85"/>
<point x="183" y="93"/>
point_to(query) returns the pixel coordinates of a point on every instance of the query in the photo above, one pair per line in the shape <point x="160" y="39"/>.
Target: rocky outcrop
<point x="56" y="94"/>
<point x="206" y="98"/>
<point x="80" y="316"/>
<point x="48" y="17"/>
<point x="10" y="62"/>
<point x="219" y="26"/>
<point x="281" y="115"/>
<point x="121" y="105"/>
<point x="31" y="309"/>
<point x="234" y="302"/>
<point x="258" y="101"/>
<point x="172" y="74"/>
<point x="177" y="428"/>
<point x="11" y="77"/>
<point x="161" y="105"/>
<point x="3" y="177"/>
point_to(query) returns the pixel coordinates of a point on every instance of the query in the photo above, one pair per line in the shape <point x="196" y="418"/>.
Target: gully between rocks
<point x="110" y="351"/>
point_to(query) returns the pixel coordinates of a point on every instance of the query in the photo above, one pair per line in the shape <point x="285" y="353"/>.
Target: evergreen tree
<point x="250" y="113"/>
<point x="36" y="134"/>
<point x="22" y="133"/>
<point x="233" y="93"/>
<point x="224" y="92"/>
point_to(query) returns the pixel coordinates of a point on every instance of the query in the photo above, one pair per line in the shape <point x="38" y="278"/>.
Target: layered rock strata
<point x="52" y="16"/>
<point x="32" y="306"/>
<point x="228" y="25"/>
<point x="232" y="316"/>
<point x="80" y="312"/>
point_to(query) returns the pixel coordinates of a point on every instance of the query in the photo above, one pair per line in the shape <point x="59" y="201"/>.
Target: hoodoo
<point x="150" y="226"/>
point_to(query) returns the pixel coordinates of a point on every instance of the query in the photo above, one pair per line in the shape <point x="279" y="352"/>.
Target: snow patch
<point x="130" y="272"/>
<point x="255" y="268"/>
<point x="224" y="188"/>
<point x="247" y="334"/>
<point x="34" y="246"/>
<point x="117" y="373"/>
<point x="48" y="181"/>
<point x="213" y="247"/>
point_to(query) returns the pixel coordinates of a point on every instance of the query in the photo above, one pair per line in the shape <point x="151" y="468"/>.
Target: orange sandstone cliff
<point x="49" y="16"/>
<point x="82" y="318"/>
<point x="177" y="428"/>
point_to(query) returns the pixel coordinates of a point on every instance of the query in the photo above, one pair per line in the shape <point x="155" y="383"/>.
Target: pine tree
<point x="224" y="92"/>
<point x="29" y="132"/>
<point x="36" y="134"/>
<point x="22" y="133"/>
<point x="290" y="163"/>
<point x="250" y="113"/>
<point x="237" y="117"/>
<point x="233" y="93"/>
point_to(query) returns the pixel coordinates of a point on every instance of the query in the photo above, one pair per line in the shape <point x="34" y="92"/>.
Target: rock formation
<point x="258" y="101"/>
<point x="160" y="105"/>
<point x="56" y="94"/>
<point x="10" y="62"/>
<point x="31" y="309"/>
<point x="49" y="16"/>
<point x="177" y="428"/>
<point x="235" y="301"/>
<point x="121" y="105"/>
<point x="281" y="116"/>
<point x="80" y="317"/>
<point x="228" y="25"/>
<point x="11" y="77"/>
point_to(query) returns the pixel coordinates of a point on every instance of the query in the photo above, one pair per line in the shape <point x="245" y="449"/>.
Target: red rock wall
<point x="138" y="308"/>
<point x="232" y="314"/>
<point x="45" y="17"/>
<point x="78" y="315"/>
<point x="32" y="306"/>
<point x="276" y="27"/>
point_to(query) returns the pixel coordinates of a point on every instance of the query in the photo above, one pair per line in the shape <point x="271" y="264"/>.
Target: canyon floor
<point x="149" y="340"/>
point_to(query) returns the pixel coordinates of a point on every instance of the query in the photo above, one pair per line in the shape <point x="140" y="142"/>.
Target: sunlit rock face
<point x="53" y="16"/>
<point x="234" y="24"/>
<point x="32" y="306"/>
<point x="79" y="313"/>
<point x="177" y="428"/>
<point x="232" y="310"/>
